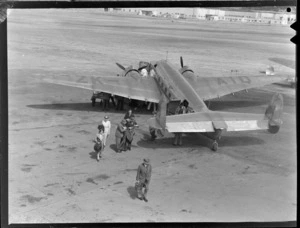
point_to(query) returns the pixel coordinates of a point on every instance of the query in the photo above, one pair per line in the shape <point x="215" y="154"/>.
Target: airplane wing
<point x="144" y="89"/>
<point x="285" y="62"/>
<point x="213" y="87"/>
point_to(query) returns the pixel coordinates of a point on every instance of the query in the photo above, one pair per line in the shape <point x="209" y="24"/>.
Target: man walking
<point x="143" y="178"/>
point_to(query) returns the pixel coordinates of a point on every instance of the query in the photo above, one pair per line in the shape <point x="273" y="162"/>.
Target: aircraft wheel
<point x="93" y="102"/>
<point x="214" y="146"/>
<point x="274" y="129"/>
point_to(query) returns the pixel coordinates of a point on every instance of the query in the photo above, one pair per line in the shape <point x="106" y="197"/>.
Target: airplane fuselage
<point x="175" y="86"/>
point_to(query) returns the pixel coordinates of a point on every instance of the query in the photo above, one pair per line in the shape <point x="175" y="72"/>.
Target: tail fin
<point x="162" y="112"/>
<point x="159" y="122"/>
<point x="274" y="113"/>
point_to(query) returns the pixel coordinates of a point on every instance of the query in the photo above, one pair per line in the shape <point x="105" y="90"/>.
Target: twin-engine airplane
<point x="170" y="85"/>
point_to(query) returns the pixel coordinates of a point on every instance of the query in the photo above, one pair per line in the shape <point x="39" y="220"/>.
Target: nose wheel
<point x="214" y="146"/>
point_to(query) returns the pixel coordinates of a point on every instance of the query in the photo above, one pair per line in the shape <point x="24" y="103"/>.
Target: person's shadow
<point x="93" y="155"/>
<point x="113" y="147"/>
<point x="132" y="192"/>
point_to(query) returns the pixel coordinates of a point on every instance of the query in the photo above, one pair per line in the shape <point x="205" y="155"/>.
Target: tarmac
<point x="53" y="173"/>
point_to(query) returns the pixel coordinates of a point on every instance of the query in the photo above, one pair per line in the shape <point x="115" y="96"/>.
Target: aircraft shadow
<point x="197" y="140"/>
<point x="70" y="106"/>
<point x="85" y="107"/>
<point x="223" y="105"/>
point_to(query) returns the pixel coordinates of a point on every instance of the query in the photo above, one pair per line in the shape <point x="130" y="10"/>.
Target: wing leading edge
<point x="214" y="87"/>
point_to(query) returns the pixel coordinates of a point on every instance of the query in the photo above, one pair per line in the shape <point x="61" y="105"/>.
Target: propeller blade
<point x="181" y="61"/>
<point x="119" y="65"/>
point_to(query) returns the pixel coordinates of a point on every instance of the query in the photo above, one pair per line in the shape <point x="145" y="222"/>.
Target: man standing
<point x="181" y="109"/>
<point x="152" y="129"/>
<point x="143" y="178"/>
<point x="129" y="117"/>
<point x="106" y="98"/>
<point x="128" y="136"/>
<point x="121" y="128"/>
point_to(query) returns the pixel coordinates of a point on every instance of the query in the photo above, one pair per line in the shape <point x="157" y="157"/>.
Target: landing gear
<point x="93" y="102"/>
<point x="214" y="146"/>
<point x="210" y="139"/>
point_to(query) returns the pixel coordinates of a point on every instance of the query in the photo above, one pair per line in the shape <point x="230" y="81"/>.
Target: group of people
<point x="101" y="136"/>
<point x="146" y="69"/>
<point x="124" y="134"/>
<point x="124" y="137"/>
<point x="106" y="98"/>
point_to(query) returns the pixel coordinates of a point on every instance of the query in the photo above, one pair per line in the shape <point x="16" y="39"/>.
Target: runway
<point x="53" y="173"/>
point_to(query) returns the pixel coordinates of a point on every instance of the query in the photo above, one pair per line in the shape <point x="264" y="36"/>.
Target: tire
<point x="214" y="146"/>
<point x="93" y="102"/>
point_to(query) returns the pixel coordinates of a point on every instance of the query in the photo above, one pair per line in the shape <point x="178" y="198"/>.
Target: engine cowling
<point x="186" y="71"/>
<point x="129" y="71"/>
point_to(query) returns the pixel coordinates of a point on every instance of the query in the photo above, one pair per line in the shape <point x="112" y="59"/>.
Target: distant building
<point x="117" y="10"/>
<point x="216" y="14"/>
<point x="203" y="13"/>
<point x="211" y="17"/>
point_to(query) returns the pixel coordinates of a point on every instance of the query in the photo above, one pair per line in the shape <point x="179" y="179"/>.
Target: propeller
<point x="184" y="68"/>
<point x="181" y="61"/>
<point x="119" y="65"/>
<point x="143" y="65"/>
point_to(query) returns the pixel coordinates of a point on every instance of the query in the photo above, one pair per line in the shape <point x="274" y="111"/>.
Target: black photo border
<point x="38" y="4"/>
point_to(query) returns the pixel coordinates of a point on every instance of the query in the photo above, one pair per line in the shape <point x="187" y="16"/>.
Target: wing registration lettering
<point x="245" y="79"/>
<point x="82" y="79"/>
<point x="221" y="81"/>
<point x="233" y="80"/>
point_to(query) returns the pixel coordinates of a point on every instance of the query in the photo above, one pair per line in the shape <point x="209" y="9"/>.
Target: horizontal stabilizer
<point x="211" y="121"/>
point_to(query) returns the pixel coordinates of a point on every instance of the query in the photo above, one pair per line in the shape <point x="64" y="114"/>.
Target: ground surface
<point x="53" y="174"/>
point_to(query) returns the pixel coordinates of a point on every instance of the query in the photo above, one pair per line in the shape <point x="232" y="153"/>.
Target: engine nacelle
<point x="185" y="69"/>
<point x="132" y="72"/>
<point x="187" y="72"/>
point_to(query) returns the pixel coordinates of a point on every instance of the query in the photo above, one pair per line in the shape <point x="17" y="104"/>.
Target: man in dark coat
<point x="128" y="135"/>
<point x="152" y="129"/>
<point x="120" y="102"/>
<point x="129" y="117"/>
<point x="121" y="128"/>
<point x="143" y="178"/>
<point x="181" y="109"/>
